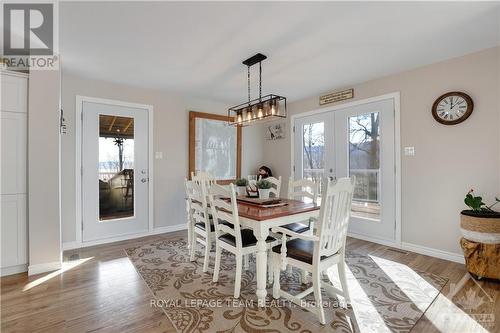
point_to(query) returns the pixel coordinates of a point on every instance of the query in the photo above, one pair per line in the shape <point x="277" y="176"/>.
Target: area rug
<point x="386" y="296"/>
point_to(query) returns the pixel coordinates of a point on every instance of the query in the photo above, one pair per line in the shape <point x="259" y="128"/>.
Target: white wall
<point x="43" y="172"/>
<point x="449" y="160"/>
<point x="170" y="137"/>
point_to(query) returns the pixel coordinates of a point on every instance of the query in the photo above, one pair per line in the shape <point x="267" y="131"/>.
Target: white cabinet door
<point x="13" y="230"/>
<point x="13" y="135"/>
<point x="14" y="93"/>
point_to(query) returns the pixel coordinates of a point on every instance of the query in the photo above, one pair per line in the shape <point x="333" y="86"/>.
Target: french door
<point x="114" y="170"/>
<point x="354" y="141"/>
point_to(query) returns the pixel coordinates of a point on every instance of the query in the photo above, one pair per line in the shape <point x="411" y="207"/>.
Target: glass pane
<point x="364" y="163"/>
<point x="116" y="167"/>
<point x="313" y="157"/>
<point x="215" y="148"/>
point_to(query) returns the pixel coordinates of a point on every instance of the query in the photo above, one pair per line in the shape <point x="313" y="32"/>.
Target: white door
<point x="114" y="170"/>
<point x="358" y="141"/>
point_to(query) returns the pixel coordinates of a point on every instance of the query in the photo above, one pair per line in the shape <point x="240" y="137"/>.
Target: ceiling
<point x="197" y="48"/>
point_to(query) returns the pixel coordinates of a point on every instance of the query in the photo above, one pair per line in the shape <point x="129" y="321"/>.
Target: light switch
<point x="159" y="155"/>
<point x="409" y="151"/>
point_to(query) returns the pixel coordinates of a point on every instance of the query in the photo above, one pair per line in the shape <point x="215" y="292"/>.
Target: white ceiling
<point x="197" y="48"/>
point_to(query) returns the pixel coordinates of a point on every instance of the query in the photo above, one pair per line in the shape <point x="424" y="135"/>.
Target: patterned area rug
<point x="386" y="296"/>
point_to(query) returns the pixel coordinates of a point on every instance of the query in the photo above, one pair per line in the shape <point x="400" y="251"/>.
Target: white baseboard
<point x="428" y="251"/>
<point x="158" y="230"/>
<point x="43" y="268"/>
<point x="374" y="240"/>
<point x="14" y="269"/>
<point x="455" y="257"/>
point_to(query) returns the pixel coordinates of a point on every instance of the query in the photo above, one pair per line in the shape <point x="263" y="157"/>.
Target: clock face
<point x="452" y="108"/>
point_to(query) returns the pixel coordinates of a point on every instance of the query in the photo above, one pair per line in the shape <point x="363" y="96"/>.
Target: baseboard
<point x="450" y="256"/>
<point x="385" y="242"/>
<point x="14" y="269"/>
<point x="428" y="251"/>
<point x="159" y="230"/>
<point x="43" y="268"/>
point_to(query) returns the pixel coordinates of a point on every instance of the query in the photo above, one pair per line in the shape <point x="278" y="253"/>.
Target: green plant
<point x="264" y="184"/>
<point x="241" y="182"/>
<point x="476" y="203"/>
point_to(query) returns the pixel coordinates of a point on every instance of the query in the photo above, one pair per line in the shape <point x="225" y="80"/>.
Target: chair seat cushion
<point x="299" y="249"/>
<point x="201" y="225"/>
<point x="247" y="238"/>
<point x="297" y="227"/>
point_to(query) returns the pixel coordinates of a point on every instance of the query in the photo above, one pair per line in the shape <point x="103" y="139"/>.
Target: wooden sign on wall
<point x="336" y="96"/>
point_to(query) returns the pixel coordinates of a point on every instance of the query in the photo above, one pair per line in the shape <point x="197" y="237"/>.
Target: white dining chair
<point x="316" y="253"/>
<point x="202" y="228"/>
<point x="229" y="235"/>
<point x="203" y="178"/>
<point x="275" y="190"/>
<point x="302" y="189"/>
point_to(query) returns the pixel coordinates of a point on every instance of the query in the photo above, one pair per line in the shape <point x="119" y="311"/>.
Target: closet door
<point x="13" y="159"/>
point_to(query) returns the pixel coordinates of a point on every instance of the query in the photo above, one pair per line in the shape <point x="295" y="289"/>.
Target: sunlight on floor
<point x="444" y="315"/>
<point x="366" y="315"/>
<point x="66" y="266"/>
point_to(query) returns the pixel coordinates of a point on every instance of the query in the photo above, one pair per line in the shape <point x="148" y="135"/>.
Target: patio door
<point x="354" y="141"/>
<point x="114" y="170"/>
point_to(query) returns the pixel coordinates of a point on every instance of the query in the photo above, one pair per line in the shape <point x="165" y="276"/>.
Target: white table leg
<point x="261" y="234"/>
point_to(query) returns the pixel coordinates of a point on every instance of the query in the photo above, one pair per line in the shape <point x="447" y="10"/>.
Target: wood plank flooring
<point x="106" y="294"/>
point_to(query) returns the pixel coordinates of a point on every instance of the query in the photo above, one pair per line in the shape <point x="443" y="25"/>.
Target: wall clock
<point x="452" y="108"/>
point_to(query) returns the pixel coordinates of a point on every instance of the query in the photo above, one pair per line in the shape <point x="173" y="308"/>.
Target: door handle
<point x="144" y="180"/>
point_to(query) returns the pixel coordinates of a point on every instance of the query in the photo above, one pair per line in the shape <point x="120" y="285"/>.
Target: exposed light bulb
<point x="249" y="114"/>
<point x="273" y="108"/>
<point x="239" y="118"/>
<point x="260" y="111"/>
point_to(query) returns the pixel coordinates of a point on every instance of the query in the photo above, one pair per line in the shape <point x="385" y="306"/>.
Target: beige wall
<point x="43" y="171"/>
<point x="449" y="160"/>
<point x="170" y="137"/>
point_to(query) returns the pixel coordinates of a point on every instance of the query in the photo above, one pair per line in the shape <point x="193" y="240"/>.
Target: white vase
<point x="264" y="193"/>
<point x="242" y="190"/>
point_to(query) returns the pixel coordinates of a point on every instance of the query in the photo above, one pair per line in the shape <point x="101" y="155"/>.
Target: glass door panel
<point x="116" y="167"/>
<point x="364" y="164"/>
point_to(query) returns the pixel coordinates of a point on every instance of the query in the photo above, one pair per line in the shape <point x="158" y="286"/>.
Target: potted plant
<point x="241" y="186"/>
<point x="264" y="187"/>
<point x="480" y="227"/>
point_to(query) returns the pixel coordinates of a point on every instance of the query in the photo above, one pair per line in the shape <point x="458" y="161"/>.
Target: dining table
<point x="261" y="219"/>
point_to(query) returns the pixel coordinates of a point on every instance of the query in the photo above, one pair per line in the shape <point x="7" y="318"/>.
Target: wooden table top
<point x="257" y="213"/>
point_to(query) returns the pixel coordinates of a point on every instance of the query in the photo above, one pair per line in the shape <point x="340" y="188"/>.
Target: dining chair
<point x="316" y="253"/>
<point x="203" y="178"/>
<point x="276" y="186"/>
<point x="202" y="230"/>
<point x="229" y="235"/>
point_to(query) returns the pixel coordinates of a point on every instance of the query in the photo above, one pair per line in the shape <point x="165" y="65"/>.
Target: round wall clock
<point x="452" y="108"/>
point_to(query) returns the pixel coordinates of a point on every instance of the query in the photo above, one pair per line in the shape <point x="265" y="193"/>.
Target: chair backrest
<point x="276" y="188"/>
<point x="224" y="208"/>
<point x="197" y="201"/>
<point x="303" y="188"/>
<point x="203" y="176"/>
<point x="334" y="217"/>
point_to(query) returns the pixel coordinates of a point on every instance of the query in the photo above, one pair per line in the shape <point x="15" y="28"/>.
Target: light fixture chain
<point x="248" y="77"/>
<point x="260" y="80"/>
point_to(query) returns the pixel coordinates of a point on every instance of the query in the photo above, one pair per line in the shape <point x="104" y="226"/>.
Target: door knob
<point x="144" y="180"/>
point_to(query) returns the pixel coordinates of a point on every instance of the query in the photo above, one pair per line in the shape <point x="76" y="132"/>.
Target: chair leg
<point x="246" y="261"/>
<point x="208" y="246"/>
<point x="193" y="246"/>
<point x="316" y="276"/>
<point x="218" y="251"/>
<point x="237" y="280"/>
<point x="276" y="282"/>
<point x="304" y="276"/>
<point x="270" y="265"/>
<point x="343" y="281"/>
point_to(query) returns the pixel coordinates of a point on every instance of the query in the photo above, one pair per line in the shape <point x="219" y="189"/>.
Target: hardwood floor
<point x="104" y="293"/>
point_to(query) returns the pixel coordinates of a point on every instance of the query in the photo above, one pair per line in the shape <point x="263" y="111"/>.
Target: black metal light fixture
<point x="265" y="107"/>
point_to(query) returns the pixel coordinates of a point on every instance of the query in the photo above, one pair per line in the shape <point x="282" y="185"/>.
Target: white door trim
<point x="395" y="96"/>
<point x="78" y="162"/>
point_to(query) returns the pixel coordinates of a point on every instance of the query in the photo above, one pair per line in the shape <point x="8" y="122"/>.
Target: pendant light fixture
<point x="263" y="108"/>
